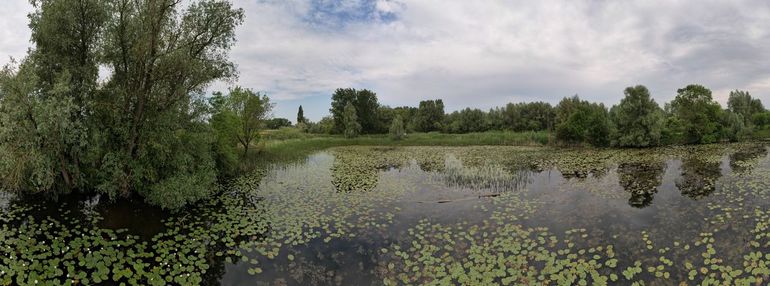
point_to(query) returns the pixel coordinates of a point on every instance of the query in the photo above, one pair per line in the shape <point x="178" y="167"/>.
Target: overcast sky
<point x="484" y="53"/>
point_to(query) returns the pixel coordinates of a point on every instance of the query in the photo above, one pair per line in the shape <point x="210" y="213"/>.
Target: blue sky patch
<point x="335" y="15"/>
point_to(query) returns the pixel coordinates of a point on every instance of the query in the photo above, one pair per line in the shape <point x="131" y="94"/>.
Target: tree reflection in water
<point x="698" y="177"/>
<point x="641" y="179"/>
<point x="740" y="161"/>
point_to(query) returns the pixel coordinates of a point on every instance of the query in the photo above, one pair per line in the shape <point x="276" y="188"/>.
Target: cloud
<point x="486" y="53"/>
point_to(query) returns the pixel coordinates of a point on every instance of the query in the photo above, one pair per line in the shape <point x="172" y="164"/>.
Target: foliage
<point x="350" y="118"/>
<point x="324" y="126"/>
<point x="531" y="116"/>
<point x="246" y="112"/>
<point x="139" y="129"/>
<point x="409" y="115"/>
<point x="699" y="114"/>
<point x="637" y="120"/>
<point x="429" y="116"/>
<point x="465" y="121"/>
<point x="741" y="103"/>
<point x="761" y="119"/>
<point x="581" y="121"/>
<point x="673" y="132"/>
<point x="301" y="116"/>
<point x="277" y="123"/>
<point x="397" y="131"/>
<point x="734" y="127"/>
<point x="365" y="103"/>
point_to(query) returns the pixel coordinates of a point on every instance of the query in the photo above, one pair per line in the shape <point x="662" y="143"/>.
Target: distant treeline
<point x="693" y="117"/>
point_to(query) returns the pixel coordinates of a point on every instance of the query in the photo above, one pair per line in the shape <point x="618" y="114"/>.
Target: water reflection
<point x="641" y="179"/>
<point x="698" y="177"/>
<point x="740" y="161"/>
<point x="597" y="202"/>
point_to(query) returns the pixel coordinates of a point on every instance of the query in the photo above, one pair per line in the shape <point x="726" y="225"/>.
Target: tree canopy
<point x="698" y="112"/>
<point x="138" y="131"/>
<point x="430" y="115"/>
<point x="637" y="120"/>
<point x="364" y="102"/>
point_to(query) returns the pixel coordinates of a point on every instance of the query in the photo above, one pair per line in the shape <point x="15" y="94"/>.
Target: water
<point x="422" y="215"/>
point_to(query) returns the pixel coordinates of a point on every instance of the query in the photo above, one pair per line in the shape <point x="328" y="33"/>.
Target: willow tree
<point x="142" y="130"/>
<point x="47" y="98"/>
<point x="637" y="120"/>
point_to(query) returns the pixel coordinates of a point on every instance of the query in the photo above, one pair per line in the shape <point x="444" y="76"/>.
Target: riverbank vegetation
<point x="692" y="117"/>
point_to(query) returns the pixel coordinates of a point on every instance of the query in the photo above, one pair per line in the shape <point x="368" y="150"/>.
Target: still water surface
<point x="469" y="215"/>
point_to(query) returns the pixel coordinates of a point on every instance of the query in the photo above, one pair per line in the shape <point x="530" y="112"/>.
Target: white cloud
<point x="486" y="53"/>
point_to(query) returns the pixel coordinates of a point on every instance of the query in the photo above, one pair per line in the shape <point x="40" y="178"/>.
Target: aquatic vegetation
<point x="429" y="215"/>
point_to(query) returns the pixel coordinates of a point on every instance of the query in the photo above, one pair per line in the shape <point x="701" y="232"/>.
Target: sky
<point x="483" y="53"/>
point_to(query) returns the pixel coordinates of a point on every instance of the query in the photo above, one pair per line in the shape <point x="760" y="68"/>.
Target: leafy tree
<point x="494" y="119"/>
<point x="144" y="128"/>
<point x="637" y="120"/>
<point x="352" y="127"/>
<point x="324" y="126"/>
<point x="408" y="114"/>
<point x="761" y="119"/>
<point x="44" y="104"/>
<point x="741" y="103"/>
<point x="430" y="115"/>
<point x="365" y="103"/>
<point x="465" y="121"/>
<point x="397" y="131"/>
<point x="533" y="116"/>
<point x="301" y="116"/>
<point x="385" y="116"/>
<point x="734" y="127"/>
<point x="247" y="112"/>
<point x="224" y="124"/>
<point x="581" y="121"/>
<point x="277" y="123"/>
<point x="698" y="112"/>
<point x="673" y="131"/>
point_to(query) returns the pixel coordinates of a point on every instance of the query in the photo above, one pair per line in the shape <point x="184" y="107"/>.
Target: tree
<point x="247" y="112"/>
<point x="324" y="126"/>
<point x="396" y="130"/>
<point x="465" y="121"/>
<point x="277" y="123"/>
<point x="761" y="119"/>
<point x="352" y="127"/>
<point x="637" y="120"/>
<point x="301" y="116"/>
<point x="143" y="130"/>
<point x="430" y="115"/>
<point x="408" y="114"/>
<point x="365" y="103"/>
<point x="581" y="121"/>
<point x="533" y="116"/>
<point x="45" y="99"/>
<point x="698" y="112"/>
<point x="734" y="127"/>
<point x="741" y="103"/>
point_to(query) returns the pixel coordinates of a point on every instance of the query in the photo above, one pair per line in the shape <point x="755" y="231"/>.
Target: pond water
<point x="423" y="215"/>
